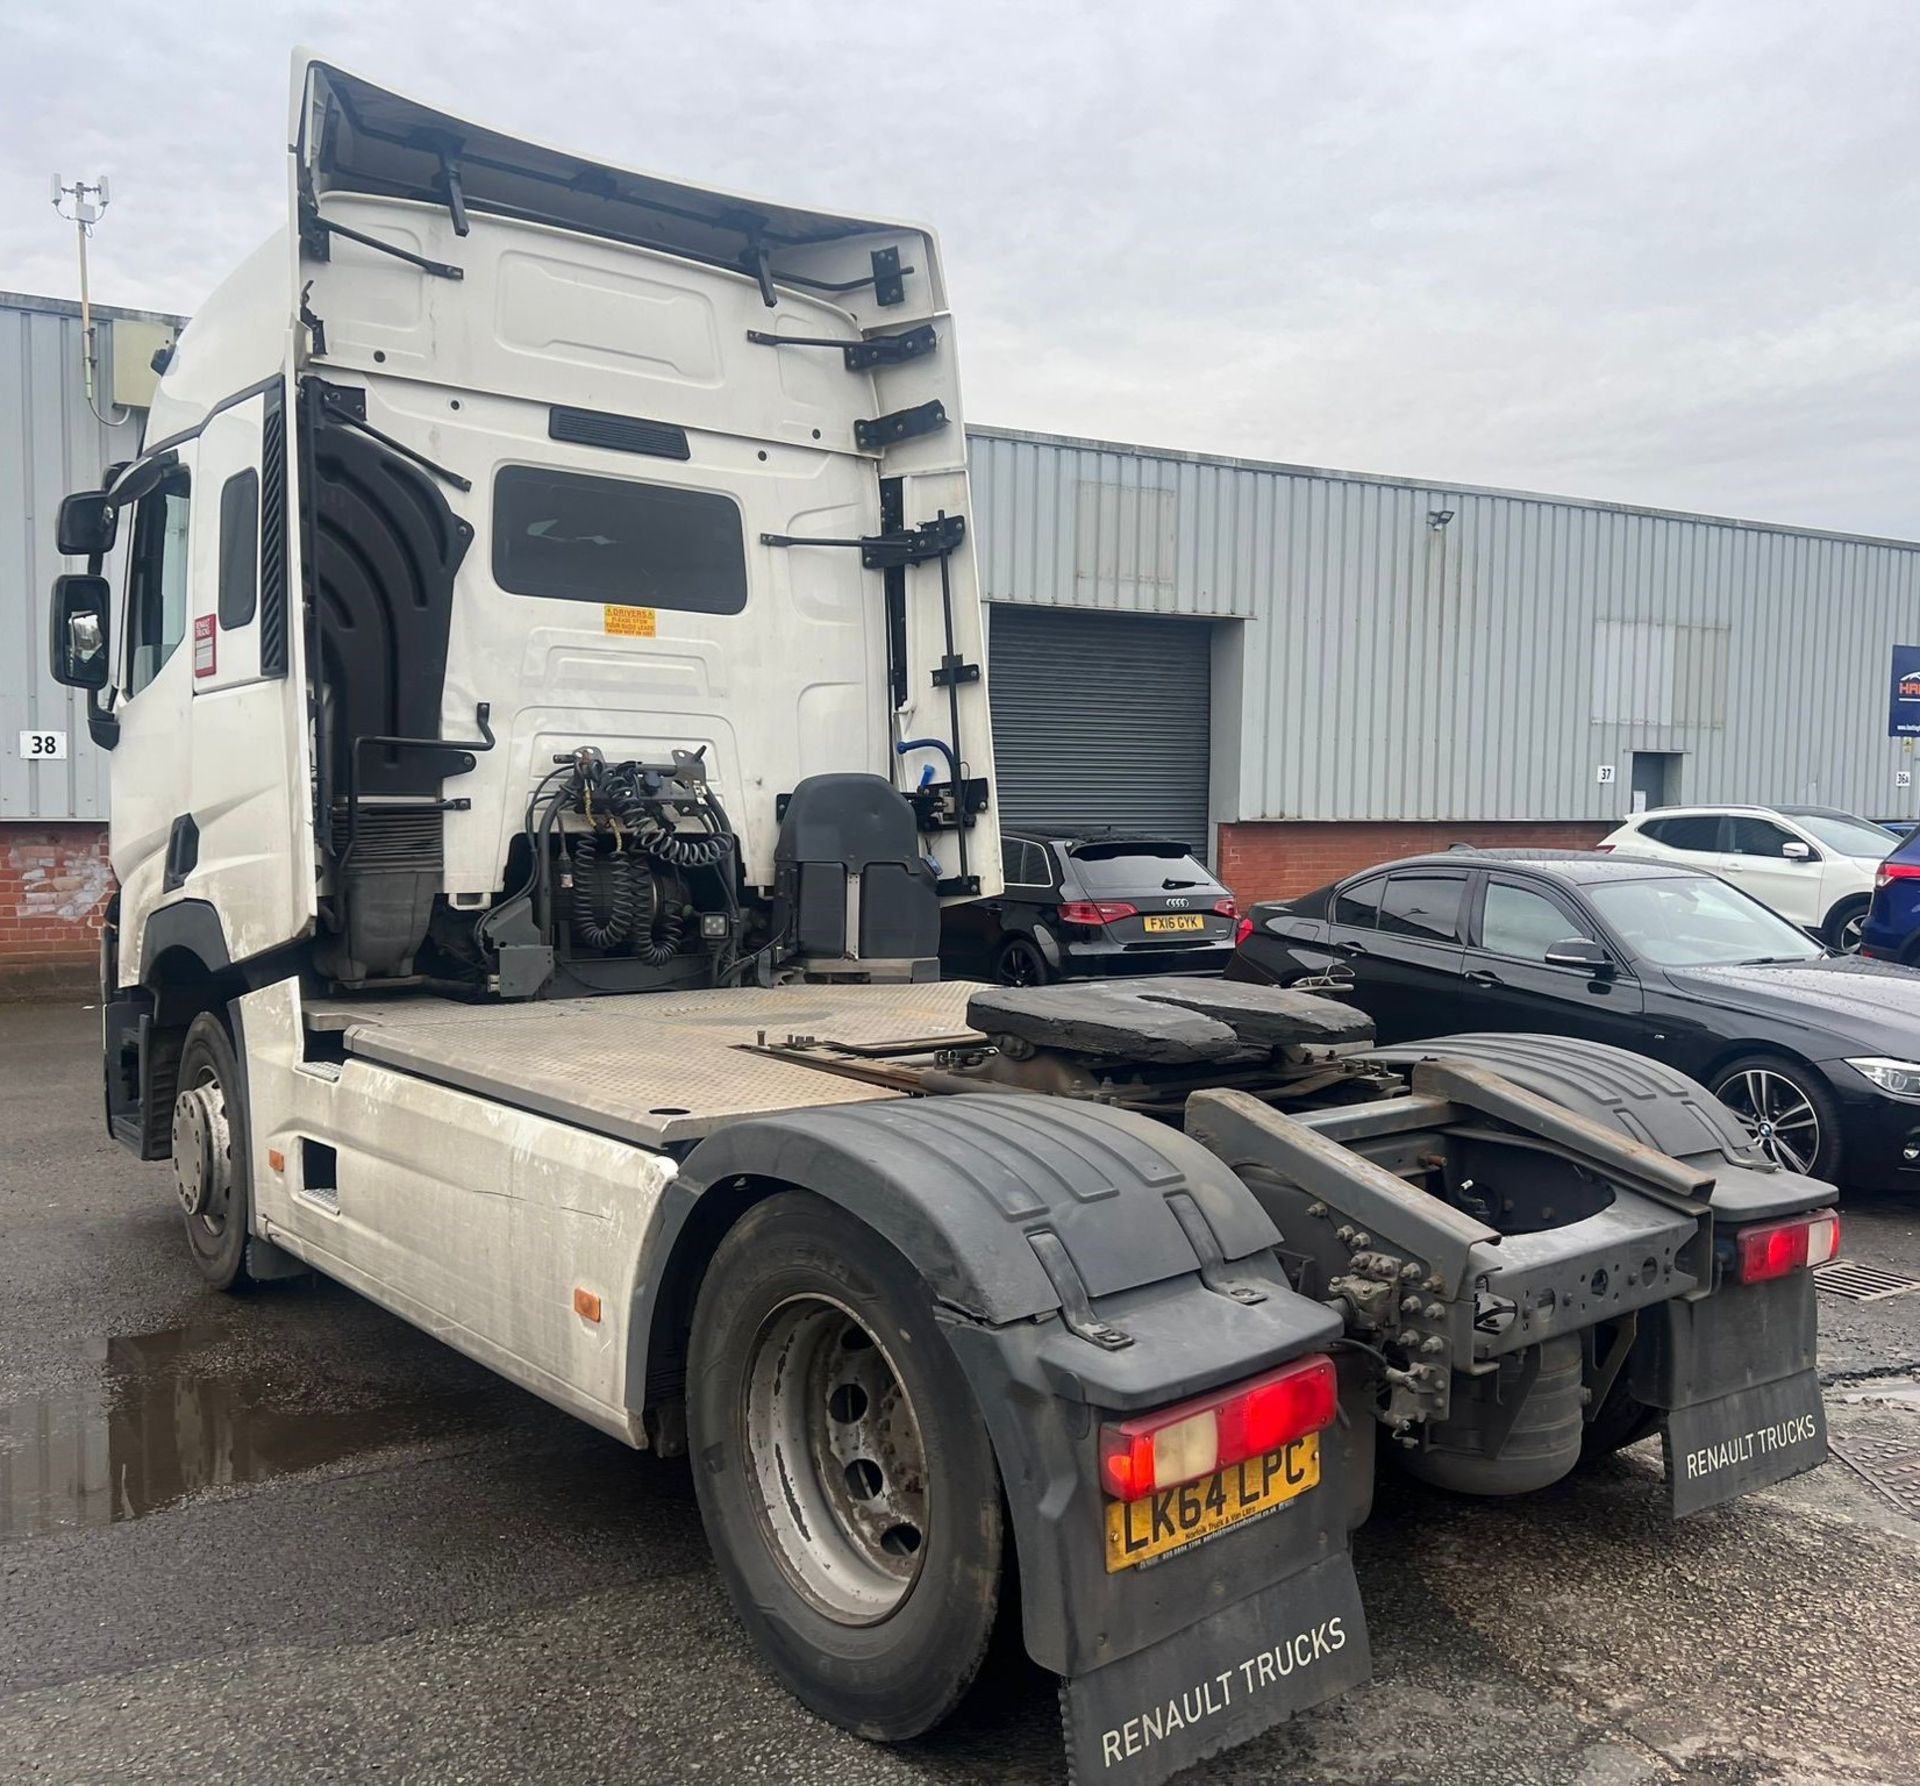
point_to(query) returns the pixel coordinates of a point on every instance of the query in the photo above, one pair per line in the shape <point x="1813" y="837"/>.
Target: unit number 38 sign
<point x="43" y="747"/>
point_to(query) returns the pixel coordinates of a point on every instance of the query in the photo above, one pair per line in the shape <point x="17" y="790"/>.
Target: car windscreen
<point x="1845" y="836"/>
<point x="1104" y="868"/>
<point x="1697" y="921"/>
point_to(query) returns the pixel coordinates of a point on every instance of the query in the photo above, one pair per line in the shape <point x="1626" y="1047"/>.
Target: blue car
<point x="1892" y="929"/>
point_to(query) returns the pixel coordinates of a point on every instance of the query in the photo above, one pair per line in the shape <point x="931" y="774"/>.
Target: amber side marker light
<point x="586" y="1304"/>
<point x="1776" y="1248"/>
<point x="1214" y="1432"/>
<point x="276" y="1159"/>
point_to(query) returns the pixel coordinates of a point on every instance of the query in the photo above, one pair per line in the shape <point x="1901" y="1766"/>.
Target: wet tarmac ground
<point x="291" y="1538"/>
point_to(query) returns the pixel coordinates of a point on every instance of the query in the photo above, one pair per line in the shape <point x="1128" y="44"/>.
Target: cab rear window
<point x="574" y="537"/>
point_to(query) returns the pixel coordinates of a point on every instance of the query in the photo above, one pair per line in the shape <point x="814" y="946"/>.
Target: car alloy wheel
<point x="1779" y="1116"/>
<point x="1021" y="964"/>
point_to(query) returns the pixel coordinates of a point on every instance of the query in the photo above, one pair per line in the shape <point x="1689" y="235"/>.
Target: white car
<point x="1813" y="864"/>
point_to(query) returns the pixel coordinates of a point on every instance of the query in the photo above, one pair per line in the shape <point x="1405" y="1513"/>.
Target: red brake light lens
<point x="1214" y="1432"/>
<point x="1605" y="849"/>
<point x="1096" y="911"/>
<point x="1242" y="931"/>
<point x="1776" y="1248"/>
<point x="1225" y="908"/>
<point x="1896" y="871"/>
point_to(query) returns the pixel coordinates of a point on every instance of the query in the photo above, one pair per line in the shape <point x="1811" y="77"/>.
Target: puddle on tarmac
<point x="159" y="1426"/>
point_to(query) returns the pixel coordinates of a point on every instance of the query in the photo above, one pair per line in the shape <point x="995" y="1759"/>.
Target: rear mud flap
<point x="1720" y="1449"/>
<point x="1235" y="1673"/>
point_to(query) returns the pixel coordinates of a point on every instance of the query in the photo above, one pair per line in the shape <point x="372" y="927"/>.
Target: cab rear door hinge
<point x="875" y="350"/>
<point x="898" y="546"/>
<point x="903" y="424"/>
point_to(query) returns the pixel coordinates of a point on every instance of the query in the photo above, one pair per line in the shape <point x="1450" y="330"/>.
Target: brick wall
<point x="1276" y="859"/>
<point x="54" y="882"/>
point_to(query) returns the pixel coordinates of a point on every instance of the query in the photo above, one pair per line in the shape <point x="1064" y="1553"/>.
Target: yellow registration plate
<point x="1140" y="1531"/>
<point x="1158" y="924"/>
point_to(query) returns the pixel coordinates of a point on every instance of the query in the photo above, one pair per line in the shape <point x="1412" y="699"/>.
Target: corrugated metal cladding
<point x="1397" y="666"/>
<point x="1100" y="719"/>
<point x="50" y="443"/>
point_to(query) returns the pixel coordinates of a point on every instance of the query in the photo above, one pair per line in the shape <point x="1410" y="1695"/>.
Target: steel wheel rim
<point x="1777" y="1114"/>
<point x="837" y="1455"/>
<point x="1020" y="966"/>
<point x="200" y="1127"/>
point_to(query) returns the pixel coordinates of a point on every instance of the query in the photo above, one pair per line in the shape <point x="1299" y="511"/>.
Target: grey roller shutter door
<point x="1101" y="719"/>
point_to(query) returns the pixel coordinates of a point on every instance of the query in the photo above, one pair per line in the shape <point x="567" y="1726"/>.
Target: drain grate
<point x="1851" y="1281"/>
<point x="1891" y="1468"/>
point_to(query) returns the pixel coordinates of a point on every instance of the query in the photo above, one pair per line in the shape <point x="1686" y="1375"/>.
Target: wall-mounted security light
<point x="1438" y="518"/>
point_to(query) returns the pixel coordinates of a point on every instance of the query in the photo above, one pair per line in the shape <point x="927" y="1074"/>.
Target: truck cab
<point x="499" y="470"/>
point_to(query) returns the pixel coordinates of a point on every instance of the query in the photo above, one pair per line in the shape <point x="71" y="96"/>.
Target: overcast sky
<point x="1659" y="253"/>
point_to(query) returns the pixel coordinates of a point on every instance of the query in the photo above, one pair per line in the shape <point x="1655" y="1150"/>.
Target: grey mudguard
<point x="1645" y="1100"/>
<point x="960" y="1187"/>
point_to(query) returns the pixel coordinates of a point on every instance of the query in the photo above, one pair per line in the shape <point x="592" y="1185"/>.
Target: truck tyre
<point x="844" y="1475"/>
<point x="1618" y="1422"/>
<point x="211" y="1163"/>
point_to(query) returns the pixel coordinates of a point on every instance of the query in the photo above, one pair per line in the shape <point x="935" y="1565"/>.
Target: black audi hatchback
<point x="1818" y="1054"/>
<point x="1097" y="902"/>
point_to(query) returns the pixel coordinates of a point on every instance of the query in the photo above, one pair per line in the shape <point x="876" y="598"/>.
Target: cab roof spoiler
<point x="353" y="136"/>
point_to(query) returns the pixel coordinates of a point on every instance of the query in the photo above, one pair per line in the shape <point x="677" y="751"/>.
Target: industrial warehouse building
<point x="1301" y="671"/>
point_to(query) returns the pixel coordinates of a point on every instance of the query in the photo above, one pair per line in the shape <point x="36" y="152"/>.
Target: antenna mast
<point x="89" y="199"/>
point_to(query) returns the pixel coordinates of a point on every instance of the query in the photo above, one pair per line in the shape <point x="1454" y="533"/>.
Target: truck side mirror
<point x="86" y="525"/>
<point x="1585" y="954"/>
<point x="77" y="633"/>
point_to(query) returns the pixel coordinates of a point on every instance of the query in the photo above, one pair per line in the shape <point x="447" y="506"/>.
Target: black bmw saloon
<point x="1819" y="1054"/>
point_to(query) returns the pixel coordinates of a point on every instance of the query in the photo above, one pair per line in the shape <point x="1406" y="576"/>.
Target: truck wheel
<point x="1618" y="1422"/>
<point x="211" y="1171"/>
<point x="846" y="1480"/>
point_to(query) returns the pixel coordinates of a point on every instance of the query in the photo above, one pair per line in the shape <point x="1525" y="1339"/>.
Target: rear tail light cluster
<point x="1096" y="911"/>
<point x="1896" y="871"/>
<point x="1775" y="1248"/>
<point x="1214" y="1432"/>
<point x="1225" y="908"/>
<point x="1242" y="931"/>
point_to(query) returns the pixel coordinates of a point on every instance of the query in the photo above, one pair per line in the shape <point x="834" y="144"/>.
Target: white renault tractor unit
<point x="541" y="653"/>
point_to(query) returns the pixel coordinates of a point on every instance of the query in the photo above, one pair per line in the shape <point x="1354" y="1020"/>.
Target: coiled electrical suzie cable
<point x="658" y="926"/>
<point x="604" y="901"/>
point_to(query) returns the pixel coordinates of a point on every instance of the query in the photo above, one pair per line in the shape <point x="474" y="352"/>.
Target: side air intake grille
<point x="273" y="538"/>
<point x="391" y="837"/>
<point x="620" y="433"/>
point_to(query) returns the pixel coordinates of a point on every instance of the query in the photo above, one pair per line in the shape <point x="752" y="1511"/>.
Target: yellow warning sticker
<point x="629" y="623"/>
